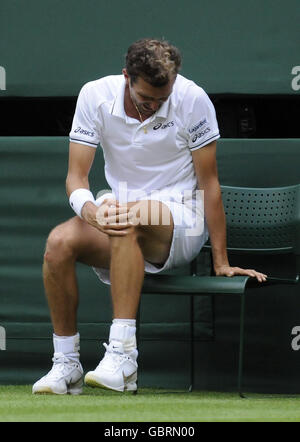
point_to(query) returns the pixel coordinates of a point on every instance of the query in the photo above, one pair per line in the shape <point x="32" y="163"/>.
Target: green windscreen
<point x="53" y="47"/>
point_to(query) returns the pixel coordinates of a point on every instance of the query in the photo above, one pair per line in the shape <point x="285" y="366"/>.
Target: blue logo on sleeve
<point x="84" y="132"/>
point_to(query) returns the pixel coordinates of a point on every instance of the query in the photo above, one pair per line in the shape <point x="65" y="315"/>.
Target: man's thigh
<point x="89" y="245"/>
<point x="154" y="223"/>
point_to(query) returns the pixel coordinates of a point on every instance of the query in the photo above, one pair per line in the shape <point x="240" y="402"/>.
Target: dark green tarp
<point x="53" y="47"/>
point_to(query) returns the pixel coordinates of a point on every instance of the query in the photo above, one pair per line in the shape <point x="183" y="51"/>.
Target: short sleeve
<point x="84" y="128"/>
<point x="201" y="122"/>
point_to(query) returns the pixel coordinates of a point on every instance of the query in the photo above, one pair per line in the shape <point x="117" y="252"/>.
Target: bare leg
<point x="126" y="274"/>
<point x="66" y="244"/>
<point x="62" y="295"/>
<point x="127" y="257"/>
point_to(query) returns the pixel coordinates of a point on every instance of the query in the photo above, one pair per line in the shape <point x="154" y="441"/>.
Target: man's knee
<point x="133" y="234"/>
<point x="60" y="245"/>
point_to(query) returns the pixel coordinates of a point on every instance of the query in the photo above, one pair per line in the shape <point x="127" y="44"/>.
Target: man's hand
<point x="227" y="270"/>
<point x="110" y="218"/>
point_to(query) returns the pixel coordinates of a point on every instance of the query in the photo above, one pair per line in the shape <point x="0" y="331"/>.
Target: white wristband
<point x="78" y="198"/>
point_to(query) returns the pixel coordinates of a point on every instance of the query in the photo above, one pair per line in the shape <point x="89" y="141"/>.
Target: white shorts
<point x="189" y="236"/>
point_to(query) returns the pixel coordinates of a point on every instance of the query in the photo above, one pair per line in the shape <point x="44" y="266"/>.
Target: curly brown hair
<point x="156" y="61"/>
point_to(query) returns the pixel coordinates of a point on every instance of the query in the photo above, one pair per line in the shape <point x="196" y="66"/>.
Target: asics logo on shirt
<point x="84" y="132"/>
<point x="163" y="126"/>
<point x="200" y="134"/>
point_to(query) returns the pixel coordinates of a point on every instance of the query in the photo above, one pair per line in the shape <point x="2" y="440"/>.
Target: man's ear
<point x="126" y="76"/>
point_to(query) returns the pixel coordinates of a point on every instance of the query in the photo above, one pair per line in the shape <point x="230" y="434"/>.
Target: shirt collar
<point x="164" y="109"/>
<point x="117" y="108"/>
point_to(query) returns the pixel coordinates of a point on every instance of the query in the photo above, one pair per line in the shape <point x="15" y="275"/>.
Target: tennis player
<point x="158" y="132"/>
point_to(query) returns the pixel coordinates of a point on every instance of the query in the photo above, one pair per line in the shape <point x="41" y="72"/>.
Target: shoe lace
<point x="112" y="359"/>
<point x="61" y="366"/>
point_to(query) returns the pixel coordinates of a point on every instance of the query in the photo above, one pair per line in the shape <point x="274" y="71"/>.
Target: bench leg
<point x="241" y="348"/>
<point x="191" y="343"/>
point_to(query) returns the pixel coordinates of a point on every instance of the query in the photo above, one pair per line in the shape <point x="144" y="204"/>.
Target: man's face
<point x="148" y="98"/>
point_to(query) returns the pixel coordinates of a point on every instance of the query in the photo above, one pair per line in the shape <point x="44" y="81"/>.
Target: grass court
<point x="17" y="404"/>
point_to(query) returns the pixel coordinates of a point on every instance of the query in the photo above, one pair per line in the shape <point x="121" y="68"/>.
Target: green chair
<point x="259" y="220"/>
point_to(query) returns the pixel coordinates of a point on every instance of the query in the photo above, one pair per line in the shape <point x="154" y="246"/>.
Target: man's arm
<point x="207" y="176"/>
<point x="81" y="158"/>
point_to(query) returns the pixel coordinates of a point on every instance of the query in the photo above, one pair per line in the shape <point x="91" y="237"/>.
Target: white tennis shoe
<point x="66" y="376"/>
<point x="116" y="371"/>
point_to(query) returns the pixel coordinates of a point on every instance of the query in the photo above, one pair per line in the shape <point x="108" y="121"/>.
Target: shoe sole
<point x="45" y="390"/>
<point x="73" y="390"/>
<point x="93" y="381"/>
<point x="49" y="391"/>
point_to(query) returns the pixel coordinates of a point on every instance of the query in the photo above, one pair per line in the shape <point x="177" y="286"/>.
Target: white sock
<point x="68" y="345"/>
<point x="123" y="330"/>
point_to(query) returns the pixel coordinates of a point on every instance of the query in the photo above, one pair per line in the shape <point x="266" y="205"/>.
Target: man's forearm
<point x="74" y="182"/>
<point x="88" y="210"/>
<point x="216" y="222"/>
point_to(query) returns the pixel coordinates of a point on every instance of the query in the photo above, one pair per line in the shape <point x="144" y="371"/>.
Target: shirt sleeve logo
<point x="84" y="132"/>
<point x="200" y="134"/>
<point x="197" y="126"/>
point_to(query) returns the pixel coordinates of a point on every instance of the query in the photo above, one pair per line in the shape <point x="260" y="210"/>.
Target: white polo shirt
<point x="138" y="162"/>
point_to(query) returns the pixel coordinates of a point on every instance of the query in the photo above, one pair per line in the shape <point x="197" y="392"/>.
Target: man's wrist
<point x="220" y="259"/>
<point x="88" y="211"/>
<point x="219" y="266"/>
<point x="79" y="198"/>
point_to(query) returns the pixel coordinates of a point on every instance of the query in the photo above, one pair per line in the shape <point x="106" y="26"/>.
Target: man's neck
<point x="129" y="106"/>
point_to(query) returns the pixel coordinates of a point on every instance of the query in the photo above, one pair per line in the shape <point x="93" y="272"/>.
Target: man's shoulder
<point x="104" y="88"/>
<point x="187" y="90"/>
<point x="108" y="81"/>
